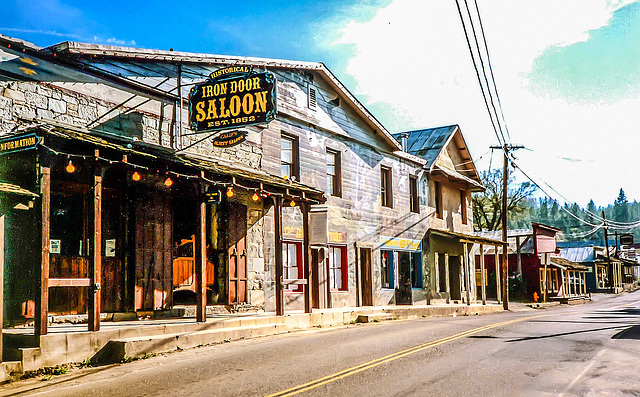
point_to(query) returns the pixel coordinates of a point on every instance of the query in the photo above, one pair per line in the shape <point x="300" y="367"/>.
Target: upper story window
<point x="334" y="172"/>
<point x="414" y="202"/>
<point x="438" y="199"/>
<point x="463" y="206"/>
<point x="386" y="183"/>
<point x="289" y="159"/>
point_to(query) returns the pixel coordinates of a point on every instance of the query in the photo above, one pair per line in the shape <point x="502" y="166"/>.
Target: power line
<point x="475" y="66"/>
<point x="486" y="47"/>
<point x="484" y="72"/>
<point x="611" y="224"/>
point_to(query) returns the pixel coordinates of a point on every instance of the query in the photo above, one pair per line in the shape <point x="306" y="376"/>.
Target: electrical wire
<point x="484" y="71"/>
<point x="486" y="47"/>
<point x="475" y="66"/>
<point x="548" y="195"/>
<point x="616" y="224"/>
<point x="610" y="224"/>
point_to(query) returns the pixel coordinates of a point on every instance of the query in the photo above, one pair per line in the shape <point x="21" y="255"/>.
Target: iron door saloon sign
<point x="232" y="97"/>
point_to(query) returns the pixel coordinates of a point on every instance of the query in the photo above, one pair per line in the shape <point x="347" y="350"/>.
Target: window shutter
<point x="312" y="98"/>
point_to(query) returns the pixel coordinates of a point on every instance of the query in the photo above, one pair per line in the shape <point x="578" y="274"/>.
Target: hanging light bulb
<point x="168" y="182"/>
<point x="136" y="176"/>
<point x="292" y="203"/>
<point x="255" y="197"/>
<point x="230" y="192"/>
<point x="70" y="168"/>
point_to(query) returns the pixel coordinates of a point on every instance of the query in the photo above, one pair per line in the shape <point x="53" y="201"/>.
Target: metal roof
<point x="124" y="67"/>
<point x="429" y="143"/>
<point x="578" y="254"/>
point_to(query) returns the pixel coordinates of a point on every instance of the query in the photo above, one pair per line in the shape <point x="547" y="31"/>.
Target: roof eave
<point x="77" y="48"/>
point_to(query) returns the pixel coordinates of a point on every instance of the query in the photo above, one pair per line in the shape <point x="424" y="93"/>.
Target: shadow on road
<point x="584" y="322"/>
<point x="629" y="333"/>
<point x="565" y="334"/>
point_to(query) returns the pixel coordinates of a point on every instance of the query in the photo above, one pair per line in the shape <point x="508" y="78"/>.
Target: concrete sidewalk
<point x="124" y="340"/>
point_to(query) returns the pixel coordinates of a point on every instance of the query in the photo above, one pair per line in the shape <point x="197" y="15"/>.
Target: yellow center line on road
<point x="391" y="357"/>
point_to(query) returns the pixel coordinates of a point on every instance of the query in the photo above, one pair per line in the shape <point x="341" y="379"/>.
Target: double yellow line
<point x="391" y="357"/>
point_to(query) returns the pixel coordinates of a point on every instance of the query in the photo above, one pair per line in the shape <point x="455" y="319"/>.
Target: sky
<point x="567" y="72"/>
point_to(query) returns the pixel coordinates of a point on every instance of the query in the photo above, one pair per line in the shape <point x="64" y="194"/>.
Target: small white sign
<point x="54" y="246"/>
<point x="110" y="248"/>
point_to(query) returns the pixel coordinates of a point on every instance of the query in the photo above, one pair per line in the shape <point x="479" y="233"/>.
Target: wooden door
<point x="153" y="246"/>
<point x="315" y="276"/>
<point x="112" y="294"/>
<point x="70" y="237"/>
<point x="365" y="287"/>
<point x="237" y="254"/>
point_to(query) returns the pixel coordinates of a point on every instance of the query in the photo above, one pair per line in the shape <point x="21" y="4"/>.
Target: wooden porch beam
<point x="69" y="282"/>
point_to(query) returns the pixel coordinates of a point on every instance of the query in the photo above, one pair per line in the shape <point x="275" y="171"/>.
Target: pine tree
<point x="621" y="211"/>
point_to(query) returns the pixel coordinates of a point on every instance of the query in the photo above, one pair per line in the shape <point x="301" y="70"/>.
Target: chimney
<point x="404" y="141"/>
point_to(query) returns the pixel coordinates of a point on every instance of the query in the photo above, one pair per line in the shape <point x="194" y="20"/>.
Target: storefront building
<point x="164" y="179"/>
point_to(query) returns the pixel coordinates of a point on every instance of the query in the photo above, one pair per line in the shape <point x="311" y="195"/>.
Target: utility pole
<point x="606" y="247"/>
<point x="505" y="254"/>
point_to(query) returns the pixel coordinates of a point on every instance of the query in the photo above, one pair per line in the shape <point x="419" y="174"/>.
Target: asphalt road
<point x="582" y="350"/>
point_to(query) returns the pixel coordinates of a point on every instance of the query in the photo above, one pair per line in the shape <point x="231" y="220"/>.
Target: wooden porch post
<point x="544" y="277"/>
<point x="483" y="280"/>
<point x="277" y="206"/>
<point x="467" y="271"/>
<point x="519" y="256"/>
<point x="497" y="262"/>
<point x="437" y="271"/>
<point x="96" y="256"/>
<point x="1" y="279"/>
<point x="306" y="256"/>
<point x="201" y="263"/>
<point x="42" y="294"/>
<point x="446" y="276"/>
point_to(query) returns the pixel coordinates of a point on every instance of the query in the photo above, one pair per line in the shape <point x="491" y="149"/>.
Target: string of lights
<point x="258" y="192"/>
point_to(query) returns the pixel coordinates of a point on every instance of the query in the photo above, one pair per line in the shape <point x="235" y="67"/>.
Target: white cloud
<point x="413" y="58"/>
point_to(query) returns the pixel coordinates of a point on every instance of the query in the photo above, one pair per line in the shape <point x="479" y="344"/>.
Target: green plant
<point x="46" y="377"/>
<point x="59" y="371"/>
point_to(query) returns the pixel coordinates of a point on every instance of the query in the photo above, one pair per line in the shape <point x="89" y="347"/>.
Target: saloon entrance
<point x="126" y="228"/>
